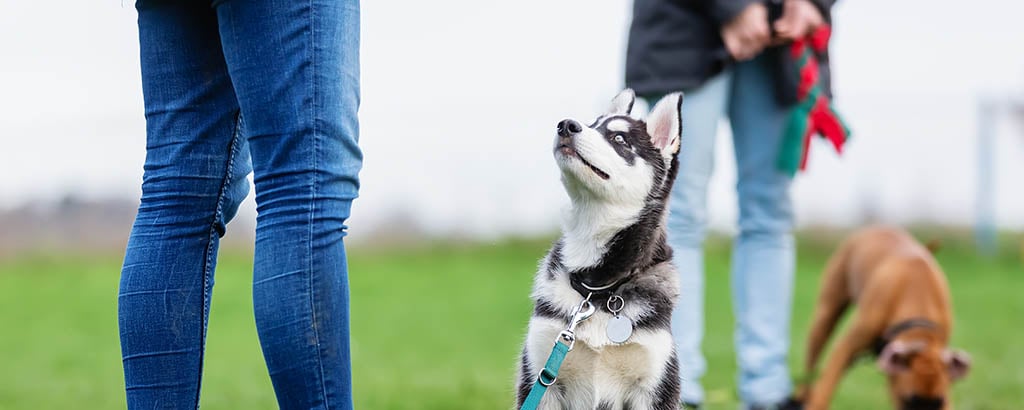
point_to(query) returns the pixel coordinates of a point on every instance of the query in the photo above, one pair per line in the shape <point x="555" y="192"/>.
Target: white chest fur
<point x="597" y="370"/>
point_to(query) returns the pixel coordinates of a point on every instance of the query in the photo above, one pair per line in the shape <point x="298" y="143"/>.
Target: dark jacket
<point x="675" y="45"/>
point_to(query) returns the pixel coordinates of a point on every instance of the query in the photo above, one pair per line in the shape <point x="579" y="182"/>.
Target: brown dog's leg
<point x="894" y="397"/>
<point x="853" y="341"/>
<point x="867" y="325"/>
<point x="833" y="299"/>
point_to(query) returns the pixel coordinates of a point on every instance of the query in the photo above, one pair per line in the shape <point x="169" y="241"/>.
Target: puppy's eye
<point x="620" y="139"/>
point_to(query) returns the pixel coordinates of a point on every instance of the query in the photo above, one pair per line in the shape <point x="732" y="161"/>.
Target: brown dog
<point x="903" y="316"/>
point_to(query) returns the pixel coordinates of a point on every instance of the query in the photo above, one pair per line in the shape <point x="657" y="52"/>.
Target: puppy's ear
<point x="895" y="357"/>
<point x="958" y="363"/>
<point x="664" y="124"/>
<point x="622" y="104"/>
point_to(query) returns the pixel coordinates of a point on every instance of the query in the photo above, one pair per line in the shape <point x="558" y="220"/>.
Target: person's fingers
<point x="792" y="29"/>
<point x="748" y="49"/>
<point x="757" y="49"/>
<point x="762" y="33"/>
<point x="732" y="46"/>
<point x="746" y="53"/>
<point x="813" y="22"/>
<point x="798" y="20"/>
<point x="786" y="31"/>
<point x="786" y="24"/>
<point x="734" y="52"/>
<point x="785" y="35"/>
<point x="803" y="29"/>
<point x="751" y="35"/>
<point x="736" y="47"/>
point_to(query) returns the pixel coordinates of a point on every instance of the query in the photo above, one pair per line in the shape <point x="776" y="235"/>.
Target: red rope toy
<point x="813" y="113"/>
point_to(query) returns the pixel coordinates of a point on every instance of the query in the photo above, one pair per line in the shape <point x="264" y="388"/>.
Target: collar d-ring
<point x="615" y="304"/>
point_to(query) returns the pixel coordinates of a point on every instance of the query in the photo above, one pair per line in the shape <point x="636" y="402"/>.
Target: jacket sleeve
<point x="723" y="11"/>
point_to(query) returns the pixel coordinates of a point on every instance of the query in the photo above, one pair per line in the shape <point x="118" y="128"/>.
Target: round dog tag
<point x="619" y="329"/>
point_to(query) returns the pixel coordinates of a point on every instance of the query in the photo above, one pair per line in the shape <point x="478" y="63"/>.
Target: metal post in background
<point x="985" y="218"/>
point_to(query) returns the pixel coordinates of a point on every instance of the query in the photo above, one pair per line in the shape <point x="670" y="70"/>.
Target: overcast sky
<point x="460" y="99"/>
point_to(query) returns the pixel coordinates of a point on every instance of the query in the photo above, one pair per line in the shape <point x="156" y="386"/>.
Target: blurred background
<point x="460" y="195"/>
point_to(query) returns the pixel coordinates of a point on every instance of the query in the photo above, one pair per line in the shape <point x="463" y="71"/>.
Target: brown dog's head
<point x="920" y="373"/>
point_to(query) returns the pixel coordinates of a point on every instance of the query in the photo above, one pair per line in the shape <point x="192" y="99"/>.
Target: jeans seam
<point x="208" y="263"/>
<point x="313" y="197"/>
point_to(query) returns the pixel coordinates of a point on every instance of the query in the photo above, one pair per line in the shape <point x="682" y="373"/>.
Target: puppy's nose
<point x="568" y="127"/>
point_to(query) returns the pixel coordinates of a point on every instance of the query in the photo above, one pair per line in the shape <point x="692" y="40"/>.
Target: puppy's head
<point x="618" y="158"/>
<point x="920" y="374"/>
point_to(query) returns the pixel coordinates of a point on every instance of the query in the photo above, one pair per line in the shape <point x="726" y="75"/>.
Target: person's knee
<point x="687" y="211"/>
<point x="686" y="228"/>
<point x="234" y="193"/>
<point x="301" y="196"/>
<point x="170" y="192"/>
<point x="686" y="223"/>
<point x="190" y="197"/>
<point x="765" y="207"/>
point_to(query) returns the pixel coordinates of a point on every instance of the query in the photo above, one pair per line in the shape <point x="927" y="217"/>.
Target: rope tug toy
<point x="813" y="113"/>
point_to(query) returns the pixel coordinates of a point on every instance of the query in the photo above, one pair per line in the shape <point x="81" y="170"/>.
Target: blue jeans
<point x="763" y="253"/>
<point x="291" y="71"/>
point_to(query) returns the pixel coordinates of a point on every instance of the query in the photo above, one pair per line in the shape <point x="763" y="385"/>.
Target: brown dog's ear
<point x="895" y="357"/>
<point x="958" y="363"/>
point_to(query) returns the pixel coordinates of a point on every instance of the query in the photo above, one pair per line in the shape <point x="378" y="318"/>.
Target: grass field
<point x="439" y="327"/>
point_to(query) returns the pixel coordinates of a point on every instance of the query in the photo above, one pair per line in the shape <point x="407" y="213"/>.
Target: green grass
<point x="439" y="327"/>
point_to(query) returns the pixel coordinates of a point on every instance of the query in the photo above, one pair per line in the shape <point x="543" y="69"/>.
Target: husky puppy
<point x="618" y="172"/>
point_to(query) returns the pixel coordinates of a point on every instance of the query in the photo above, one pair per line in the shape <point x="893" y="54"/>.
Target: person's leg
<point x="295" y="68"/>
<point x="764" y="252"/>
<point x="194" y="180"/>
<point x="687" y="218"/>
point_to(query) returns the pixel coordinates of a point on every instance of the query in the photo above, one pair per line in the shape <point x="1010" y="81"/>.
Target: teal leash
<point x="547" y="376"/>
<point x="563" y="345"/>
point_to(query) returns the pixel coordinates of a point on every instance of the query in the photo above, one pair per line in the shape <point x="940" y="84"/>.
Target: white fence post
<point x="985" y="218"/>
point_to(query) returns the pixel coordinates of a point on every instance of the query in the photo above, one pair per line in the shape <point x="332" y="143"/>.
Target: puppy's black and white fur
<point x="618" y="172"/>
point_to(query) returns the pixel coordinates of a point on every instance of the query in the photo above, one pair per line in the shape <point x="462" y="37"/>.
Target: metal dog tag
<point x="620" y="328"/>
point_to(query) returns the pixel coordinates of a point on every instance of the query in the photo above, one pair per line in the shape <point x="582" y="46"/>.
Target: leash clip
<point x="579" y="314"/>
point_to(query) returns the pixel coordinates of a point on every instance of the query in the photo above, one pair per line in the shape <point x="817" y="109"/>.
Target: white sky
<point x="460" y="99"/>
